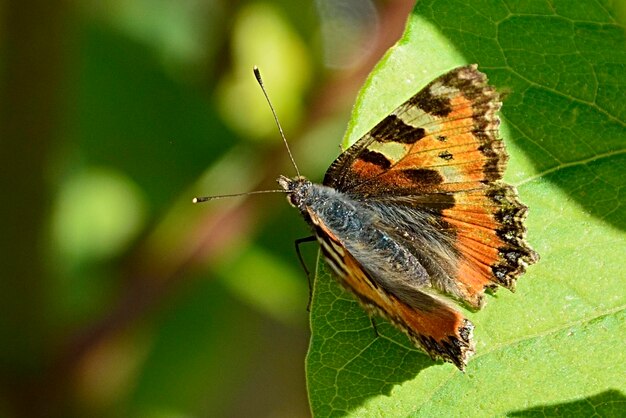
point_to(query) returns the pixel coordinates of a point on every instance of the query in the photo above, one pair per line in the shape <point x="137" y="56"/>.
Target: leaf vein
<point x="570" y="164"/>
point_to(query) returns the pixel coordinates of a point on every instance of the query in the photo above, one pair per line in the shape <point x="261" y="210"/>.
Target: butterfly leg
<point x="374" y="327"/>
<point x="303" y="264"/>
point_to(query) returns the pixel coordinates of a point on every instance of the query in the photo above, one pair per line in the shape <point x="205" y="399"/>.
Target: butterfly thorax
<point x="319" y="203"/>
<point x="341" y="219"/>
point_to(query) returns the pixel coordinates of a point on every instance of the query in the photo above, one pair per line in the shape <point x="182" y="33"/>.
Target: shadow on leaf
<point x="348" y="357"/>
<point x="566" y="114"/>
<point x="610" y="403"/>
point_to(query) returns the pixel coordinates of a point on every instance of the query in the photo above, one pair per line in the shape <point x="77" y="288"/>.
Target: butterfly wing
<point x="439" y="153"/>
<point x="431" y="324"/>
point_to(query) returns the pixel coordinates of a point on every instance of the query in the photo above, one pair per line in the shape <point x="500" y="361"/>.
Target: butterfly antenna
<point x="257" y="74"/>
<point x="223" y="196"/>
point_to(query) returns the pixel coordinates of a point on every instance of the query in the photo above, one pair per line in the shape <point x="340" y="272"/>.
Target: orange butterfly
<point x="415" y="212"/>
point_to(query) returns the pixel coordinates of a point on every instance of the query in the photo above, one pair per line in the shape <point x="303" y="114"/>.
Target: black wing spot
<point x="423" y="176"/>
<point x="434" y="105"/>
<point x="375" y="158"/>
<point x="445" y="155"/>
<point x="394" y="129"/>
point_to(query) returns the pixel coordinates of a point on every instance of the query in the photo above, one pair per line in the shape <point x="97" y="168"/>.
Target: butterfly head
<point x="297" y="188"/>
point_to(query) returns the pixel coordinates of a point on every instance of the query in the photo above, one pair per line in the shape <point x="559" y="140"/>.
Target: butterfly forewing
<point x="448" y="159"/>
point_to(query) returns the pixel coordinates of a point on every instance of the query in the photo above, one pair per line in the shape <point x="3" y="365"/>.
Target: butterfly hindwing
<point x="430" y="323"/>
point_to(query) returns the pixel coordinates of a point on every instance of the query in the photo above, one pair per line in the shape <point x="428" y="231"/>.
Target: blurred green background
<point x="118" y="297"/>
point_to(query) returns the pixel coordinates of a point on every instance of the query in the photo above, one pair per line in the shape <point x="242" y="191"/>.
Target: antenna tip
<point x="257" y="74"/>
<point x="202" y="199"/>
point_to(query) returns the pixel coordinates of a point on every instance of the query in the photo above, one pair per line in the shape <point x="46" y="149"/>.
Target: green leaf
<point x="557" y="343"/>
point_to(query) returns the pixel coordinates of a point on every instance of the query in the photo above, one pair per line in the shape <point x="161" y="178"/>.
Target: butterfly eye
<point x="293" y="200"/>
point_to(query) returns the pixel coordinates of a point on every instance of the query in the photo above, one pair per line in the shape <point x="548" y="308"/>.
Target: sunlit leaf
<point x="559" y="338"/>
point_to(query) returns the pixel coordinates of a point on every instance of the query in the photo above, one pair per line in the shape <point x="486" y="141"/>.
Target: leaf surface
<point x="556" y="345"/>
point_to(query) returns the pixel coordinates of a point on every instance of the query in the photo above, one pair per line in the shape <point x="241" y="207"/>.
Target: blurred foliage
<point x="118" y="296"/>
<point x="281" y="55"/>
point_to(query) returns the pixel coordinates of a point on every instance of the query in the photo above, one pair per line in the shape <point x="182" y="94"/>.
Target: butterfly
<point x="415" y="214"/>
